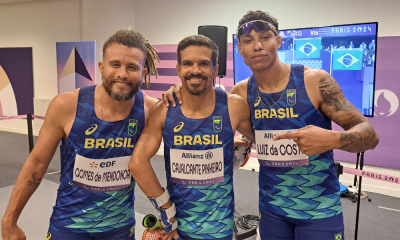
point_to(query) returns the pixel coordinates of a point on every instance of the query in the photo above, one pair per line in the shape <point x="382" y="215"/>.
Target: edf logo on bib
<point x="103" y="164"/>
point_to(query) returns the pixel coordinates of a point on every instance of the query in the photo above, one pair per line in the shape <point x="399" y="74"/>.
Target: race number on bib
<point x="197" y="167"/>
<point x="281" y="153"/>
<point x="102" y="175"/>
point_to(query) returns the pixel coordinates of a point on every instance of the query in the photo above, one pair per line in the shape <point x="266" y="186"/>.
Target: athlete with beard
<point x="198" y="148"/>
<point x="98" y="127"/>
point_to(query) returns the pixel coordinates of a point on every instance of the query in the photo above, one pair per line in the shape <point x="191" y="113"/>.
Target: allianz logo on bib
<point x="269" y="135"/>
<point x="208" y="155"/>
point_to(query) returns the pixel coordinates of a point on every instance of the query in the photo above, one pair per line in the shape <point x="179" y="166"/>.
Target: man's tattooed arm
<point x="359" y="135"/>
<point x="35" y="181"/>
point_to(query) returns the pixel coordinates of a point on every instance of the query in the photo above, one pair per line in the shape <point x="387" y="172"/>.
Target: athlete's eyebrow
<point x="114" y="62"/>
<point x="186" y="61"/>
<point x="205" y="61"/>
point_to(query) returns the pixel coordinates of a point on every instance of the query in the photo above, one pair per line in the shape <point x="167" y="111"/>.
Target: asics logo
<point x="179" y="127"/>
<point x="258" y="99"/>
<point x="91" y="130"/>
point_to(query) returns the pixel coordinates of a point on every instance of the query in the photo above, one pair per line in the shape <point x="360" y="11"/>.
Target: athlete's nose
<point x="195" y="69"/>
<point x="122" y="73"/>
<point x="257" y="46"/>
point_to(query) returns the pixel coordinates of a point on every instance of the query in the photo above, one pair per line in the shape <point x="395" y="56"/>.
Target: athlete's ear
<point x="144" y="71"/>
<point x="215" y="73"/>
<point x="240" y="49"/>
<point x="101" y="67"/>
<point x="177" y="69"/>
<point x="279" y="41"/>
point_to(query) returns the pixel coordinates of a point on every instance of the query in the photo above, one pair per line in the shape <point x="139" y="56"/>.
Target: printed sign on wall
<point x="16" y="81"/>
<point x="76" y="65"/>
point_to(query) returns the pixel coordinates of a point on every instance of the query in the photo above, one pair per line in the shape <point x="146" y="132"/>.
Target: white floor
<point x="34" y="219"/>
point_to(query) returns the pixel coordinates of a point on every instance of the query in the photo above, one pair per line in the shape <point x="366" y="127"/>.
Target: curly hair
<point x="133" y="39"/>
<point x="198" y="40"/>
<point x="258" y="15"/>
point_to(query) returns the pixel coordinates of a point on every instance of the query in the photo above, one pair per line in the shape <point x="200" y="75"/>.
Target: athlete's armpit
<point x="359" y="135"/>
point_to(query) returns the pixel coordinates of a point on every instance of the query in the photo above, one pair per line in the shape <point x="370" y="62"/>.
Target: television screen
<point x="347" y="52"/>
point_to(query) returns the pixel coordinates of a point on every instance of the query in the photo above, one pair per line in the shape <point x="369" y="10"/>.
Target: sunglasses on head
<point x="257" y="25"/>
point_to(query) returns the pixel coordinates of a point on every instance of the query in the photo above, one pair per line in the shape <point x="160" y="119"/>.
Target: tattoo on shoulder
<point x="337" y="107"/>
<point x="35" y="180"/>
<point x="362" y="135"/>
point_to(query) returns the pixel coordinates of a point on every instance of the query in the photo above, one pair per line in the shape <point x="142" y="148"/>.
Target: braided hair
<point x="151" y="59"/>
<point x="133" y="39"/>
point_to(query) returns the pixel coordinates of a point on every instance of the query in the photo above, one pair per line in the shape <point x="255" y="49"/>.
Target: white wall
<point x="102" y="18"/>
<point x="167" y="22"/>
<point x="40" y="24"/>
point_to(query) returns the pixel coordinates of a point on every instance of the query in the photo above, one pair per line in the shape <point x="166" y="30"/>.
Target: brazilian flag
<point x="307" y="48"/>
<point x="347" y="59"/>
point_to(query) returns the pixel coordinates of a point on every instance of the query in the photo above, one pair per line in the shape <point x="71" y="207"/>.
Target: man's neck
<point x="198" y="107"/>
<point x="272" y="79"/>
<point x="110" y="109"/>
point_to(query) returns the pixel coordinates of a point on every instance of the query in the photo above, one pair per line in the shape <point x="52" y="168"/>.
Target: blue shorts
<point x="123" y="233"/>
<point x="277" y="227"/>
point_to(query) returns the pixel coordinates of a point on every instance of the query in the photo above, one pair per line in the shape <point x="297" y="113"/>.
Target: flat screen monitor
<point x="347" y="52"/>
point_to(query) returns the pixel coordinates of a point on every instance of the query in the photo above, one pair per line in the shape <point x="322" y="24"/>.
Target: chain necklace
<point x="283" y="91"/>
<point x="101" y="103"/>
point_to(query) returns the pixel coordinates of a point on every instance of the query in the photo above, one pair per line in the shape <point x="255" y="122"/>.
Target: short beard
<point x="120" y="97"/>
<point x="196" y="92"/>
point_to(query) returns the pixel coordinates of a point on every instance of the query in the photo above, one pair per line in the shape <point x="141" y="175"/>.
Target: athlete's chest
<point x="195" y="132"/>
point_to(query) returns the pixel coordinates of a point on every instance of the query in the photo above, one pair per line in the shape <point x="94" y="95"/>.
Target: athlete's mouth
<point x="196" y="78"/>
<point x="258" y="56"/>
<point x="119" y="83"/>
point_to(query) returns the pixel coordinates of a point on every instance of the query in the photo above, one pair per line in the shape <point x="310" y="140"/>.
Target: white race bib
<point x="197" y="167"/>
<point x="102" y="175"/>
<point x="281" y="153"/>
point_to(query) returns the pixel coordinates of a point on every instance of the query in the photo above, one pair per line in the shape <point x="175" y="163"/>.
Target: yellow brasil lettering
<point x="110" y="143"/>
<point x="197" y="139"/>
<point x="275" y="113"/>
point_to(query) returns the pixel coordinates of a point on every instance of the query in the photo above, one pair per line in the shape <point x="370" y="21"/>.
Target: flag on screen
<point x="347" y="59"/>
<point x="307" y="48"/>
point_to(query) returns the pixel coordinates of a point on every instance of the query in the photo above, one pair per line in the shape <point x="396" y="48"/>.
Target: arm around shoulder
<point x="149" y="103"/>
<point x="239" y="113"/>
<point x="240" y="88"/>
<point x="147" y="146"/>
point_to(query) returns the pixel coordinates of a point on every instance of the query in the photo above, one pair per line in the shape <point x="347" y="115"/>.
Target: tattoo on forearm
<point x="360" y="135"/>
<point x="361" y="139"/>
<point x="36" y="181"/>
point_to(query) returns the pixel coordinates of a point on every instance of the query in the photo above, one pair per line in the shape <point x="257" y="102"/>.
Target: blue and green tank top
<point x="199" y="167"/>
<point x="96" y="192"/>
<point x="307" y="191"/>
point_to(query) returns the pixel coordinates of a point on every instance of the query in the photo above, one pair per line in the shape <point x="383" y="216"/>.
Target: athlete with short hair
<point x="198" y="148"/>
<point x="98" y="127"/>
<point x="299" y="189"/>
